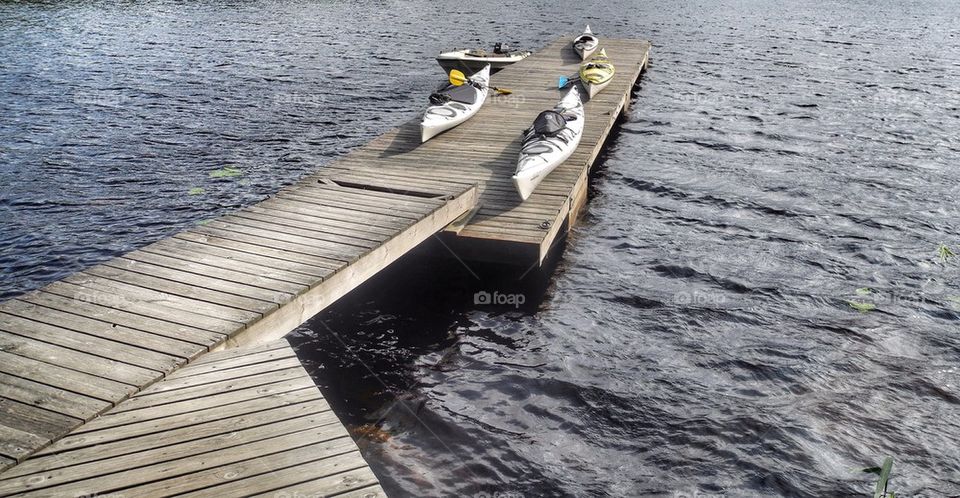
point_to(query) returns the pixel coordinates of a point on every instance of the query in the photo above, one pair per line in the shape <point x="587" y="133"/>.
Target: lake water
<point x="753" y="304"/>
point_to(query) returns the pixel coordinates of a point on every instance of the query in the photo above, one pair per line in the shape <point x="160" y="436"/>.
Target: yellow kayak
<point x="596" y="73"/>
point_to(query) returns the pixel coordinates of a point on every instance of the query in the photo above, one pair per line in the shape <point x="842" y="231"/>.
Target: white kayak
<point x="586" y="44"/>
<point x="452" y="105"/>
<point x="473" y="60"/>
<point x="551" y="139"/>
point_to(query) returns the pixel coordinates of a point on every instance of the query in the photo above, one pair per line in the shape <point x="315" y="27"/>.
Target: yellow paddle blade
<point x="457" y="77"/>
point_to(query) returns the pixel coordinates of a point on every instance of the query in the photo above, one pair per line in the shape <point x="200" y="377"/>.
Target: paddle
<point x="457" y="78"/>
<point x="564" y="81"/>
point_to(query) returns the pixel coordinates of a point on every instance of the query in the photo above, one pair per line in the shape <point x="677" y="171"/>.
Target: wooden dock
<point x="74" y="348"/>
<point x="484" y="151"/>
<point x="92" y="347"/>
<point x="242" y="422"/>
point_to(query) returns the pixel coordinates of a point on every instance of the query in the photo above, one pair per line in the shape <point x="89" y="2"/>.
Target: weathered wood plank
<point x="225" y="365"/>
<point x="50" y="398"/>
<point x="151" y="397"/>
<point x="70" y="358"/>
<point x="171" y="259"/>
<point x="374" y="491"/>
<point x="318" y="216"/>
<point x="222" y="257"/>
<point x="63" y="378"/>
<point x="104" y="476"/>
<point x="316" y="225"/>
<point x="34" y="420"/>
<point x="16" y="444"/>
<point x="236" y="353"/>
<point x="303" y="262"/>
<point x="117" y="318"/>
<point x="93" y="430"/>
<point x="311" y="233"/>
<point x="244" y="296"/>
<point x="240" y="478"/>
<point x="114" y="419"/>
<point x="153" y="305"/>
<point x="175" y="384"/>
<point x="285" y="240"/>
<point x="368" y="220"/>
<point x="333" y="482"/>
<point x="177" y="349"/>
<point x="202" y="301"/>
<point x="177" y="443"/>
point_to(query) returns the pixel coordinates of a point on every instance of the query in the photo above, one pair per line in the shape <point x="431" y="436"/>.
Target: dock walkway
<point x="90" y="348"/>
<point x="241" y="422"/>
<point x="76" y="347"/>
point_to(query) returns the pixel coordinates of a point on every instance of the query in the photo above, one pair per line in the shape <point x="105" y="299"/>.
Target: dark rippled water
<point x="695" y="338"/>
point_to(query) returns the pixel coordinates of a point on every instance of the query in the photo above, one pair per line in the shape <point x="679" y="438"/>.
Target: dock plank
<point x="137" y="301"/>
<point x="118" y="318"/>
<point x="177" y="261"/>
<point x="173" y="349"/>
<point x="200" y="301"/>
<point x="72" y="359"/>
<point x="34" y="420"/>
<point x="224" y="257"/>
<point x="235" y="441"/>
<point x="189" y="392"/>
<point x="249" y="297"/>
<point x="16" y="444"/>
<point x="50" y="398"/>
<point x="63" y="378"/>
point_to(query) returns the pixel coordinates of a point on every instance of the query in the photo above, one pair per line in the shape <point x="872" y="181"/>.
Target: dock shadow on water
<point x="378" y="353"/>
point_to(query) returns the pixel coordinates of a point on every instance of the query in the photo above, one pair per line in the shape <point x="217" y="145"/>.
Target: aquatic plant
<point x="861" y="306"/>
<point x="196" y="191"/>
<point x="944" y="253"/>
<point x="226" y="172"/>
<point x="883" y="471"/>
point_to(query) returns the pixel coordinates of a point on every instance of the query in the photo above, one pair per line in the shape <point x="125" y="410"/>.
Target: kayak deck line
<point x="110" y="379"/>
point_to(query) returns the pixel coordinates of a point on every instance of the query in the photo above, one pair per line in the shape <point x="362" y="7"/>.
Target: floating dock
<point x="242" y="422"/>
<point x="484" y="150"/>
<point x="175" y="318"/>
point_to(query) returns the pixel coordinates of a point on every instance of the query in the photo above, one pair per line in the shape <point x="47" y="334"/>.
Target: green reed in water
<point x="883" y="471"/>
